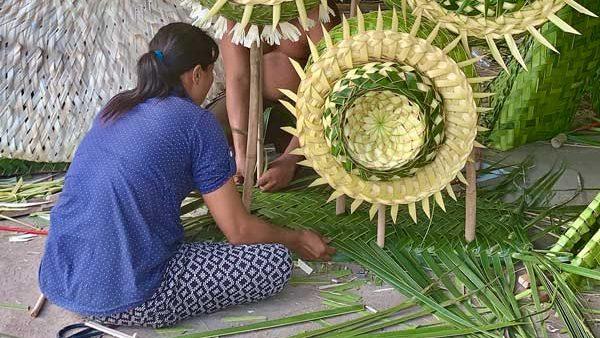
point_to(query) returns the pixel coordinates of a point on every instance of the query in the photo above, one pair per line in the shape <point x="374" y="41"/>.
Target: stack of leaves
<point x="540" y="103"/>
<point x="257" y="20"/>
<point x="384" y="115"/>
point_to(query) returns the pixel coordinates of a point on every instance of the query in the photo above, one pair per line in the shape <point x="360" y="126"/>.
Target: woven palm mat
<point x="304" y="209"/>
<point x="62" y="61"/>
<point x="541" y="103"/>
<point x="10" y="167"/>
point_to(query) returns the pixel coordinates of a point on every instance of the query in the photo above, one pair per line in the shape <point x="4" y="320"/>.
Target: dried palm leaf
<point x="62" y="61"/>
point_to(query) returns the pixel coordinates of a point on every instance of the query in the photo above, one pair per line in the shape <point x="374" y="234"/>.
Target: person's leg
<point x="207" y="277"/>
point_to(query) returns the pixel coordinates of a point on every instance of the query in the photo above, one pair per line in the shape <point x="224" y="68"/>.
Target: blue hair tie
<point x="159" y="55"/>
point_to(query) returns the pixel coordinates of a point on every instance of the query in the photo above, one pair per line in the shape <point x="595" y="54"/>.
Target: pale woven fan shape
<point x="445" y="74"/>
<point x="510" y="23"/>
<point x="62" y="61"/>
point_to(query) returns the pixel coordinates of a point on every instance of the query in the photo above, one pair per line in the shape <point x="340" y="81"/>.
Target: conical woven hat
<point x="501" y="20"/>
<point x="61" y="61"/>
<point x="257" y="20"/>
<point x="384" y="115"/>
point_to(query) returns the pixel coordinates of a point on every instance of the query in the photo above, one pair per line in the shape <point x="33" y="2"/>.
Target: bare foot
<point x="280" y="173"/>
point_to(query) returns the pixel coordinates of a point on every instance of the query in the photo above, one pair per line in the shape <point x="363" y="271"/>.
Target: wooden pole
<point x="353" y="5"/>
<point x="381" y="225"/>
<point x="253" y="116"/>
<point x="471" y="198"/>
<point x="340" y="205"/>
<point x="260" y="144"/>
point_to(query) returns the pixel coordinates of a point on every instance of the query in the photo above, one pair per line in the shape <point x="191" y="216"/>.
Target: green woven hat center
<point x="383" y="130"/>
<point x="488" y="8"/>
<point x="383" y="121"/>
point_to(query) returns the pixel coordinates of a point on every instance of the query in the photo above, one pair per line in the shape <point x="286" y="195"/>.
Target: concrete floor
<point x="19" y="263"/>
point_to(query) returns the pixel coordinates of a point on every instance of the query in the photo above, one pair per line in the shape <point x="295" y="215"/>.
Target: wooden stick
<point x="340" y="205"/>
<point x="471" y="198"/>
<point x="353" y="6"/>
<point x="260" y="144"/>
<point x="253" y="116"/>
<point x="381" y="225"/>
<point x="38" y="306"/>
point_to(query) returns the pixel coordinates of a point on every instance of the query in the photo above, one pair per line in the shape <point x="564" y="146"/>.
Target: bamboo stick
<point x="353" y="5"/>
<point x="381" y="225"/>
<point x="39" y="304"/>
<point x="340" y="205"/>
<point x="260" y="144"/>
<point x="253" y="116"/>
<point x="471" y="198"/>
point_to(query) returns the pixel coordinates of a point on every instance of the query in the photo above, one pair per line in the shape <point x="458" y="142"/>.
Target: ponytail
<point x="175" y="49"/>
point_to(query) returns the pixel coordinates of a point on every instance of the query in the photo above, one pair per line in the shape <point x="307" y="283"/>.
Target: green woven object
<point x="14" y="167"/>
<point x="304" y="209"/>
<point x="261" y="14"/>
<point x="477" y="7"/>
<point x="582" y="225"/>
<point x="540" y="103"/>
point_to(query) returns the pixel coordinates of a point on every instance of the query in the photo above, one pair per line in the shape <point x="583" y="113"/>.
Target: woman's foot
<point x="280" y="173"/>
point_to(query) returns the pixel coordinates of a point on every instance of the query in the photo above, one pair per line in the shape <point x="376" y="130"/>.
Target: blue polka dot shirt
<point x="116" y="224"/>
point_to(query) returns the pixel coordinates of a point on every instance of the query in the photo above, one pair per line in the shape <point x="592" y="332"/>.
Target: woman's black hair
<point x="175" y="49"/>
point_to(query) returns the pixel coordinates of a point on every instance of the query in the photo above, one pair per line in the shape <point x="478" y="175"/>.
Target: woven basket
<point x="61" y="61"/>
<point x="374" y="79"/>
<point x="540" y="103"/>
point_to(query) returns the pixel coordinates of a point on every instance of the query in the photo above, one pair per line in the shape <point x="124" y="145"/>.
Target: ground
<point x="18" y="270"/>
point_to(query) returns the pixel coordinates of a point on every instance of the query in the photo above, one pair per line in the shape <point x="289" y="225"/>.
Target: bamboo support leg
<point x="353" y="5"/>
<point x="381" y="225"/>
<point x="340" y="205"/>
<point x="253" y="116"/>
<point x="471" y="198"/>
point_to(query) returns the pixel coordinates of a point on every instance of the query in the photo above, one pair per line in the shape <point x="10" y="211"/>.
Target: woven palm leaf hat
<point x="385" y="112"/>
<point x="61" y="61"/>
<point x="257" y="19"/>
<point x="495" y="20"/>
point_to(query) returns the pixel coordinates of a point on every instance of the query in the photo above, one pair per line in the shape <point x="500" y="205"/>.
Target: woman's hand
<point x="280" y="173"/>
<point x="312" y="246"/>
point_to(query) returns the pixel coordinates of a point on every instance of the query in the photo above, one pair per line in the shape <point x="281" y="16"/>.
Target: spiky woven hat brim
<point x="368" y="53"/>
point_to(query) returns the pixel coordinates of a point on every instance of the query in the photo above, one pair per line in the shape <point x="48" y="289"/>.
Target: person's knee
<point x="287" y="263"/>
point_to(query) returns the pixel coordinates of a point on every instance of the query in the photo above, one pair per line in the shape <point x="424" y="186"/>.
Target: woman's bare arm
<point x="240" y="227"/>
<point x="236" y="60"/>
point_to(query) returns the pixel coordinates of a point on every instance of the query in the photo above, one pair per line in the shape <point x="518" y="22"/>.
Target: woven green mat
<point x="538" y="104"/>
<point x="14" y="167"/>
<point x="304" y="209"/>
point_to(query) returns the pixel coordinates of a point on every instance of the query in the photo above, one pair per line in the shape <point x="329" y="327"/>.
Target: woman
<point x="115" y="251"/>
<point x="278" y="73"/>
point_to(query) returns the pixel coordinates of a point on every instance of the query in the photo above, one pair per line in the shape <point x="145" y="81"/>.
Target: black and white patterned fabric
<point x="206" y="277"/>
